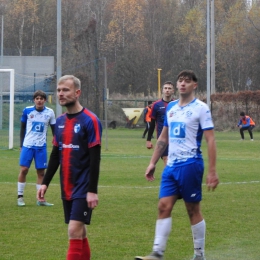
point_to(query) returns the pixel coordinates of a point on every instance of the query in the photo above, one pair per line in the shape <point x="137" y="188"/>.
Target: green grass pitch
<point x="123" y="223"/>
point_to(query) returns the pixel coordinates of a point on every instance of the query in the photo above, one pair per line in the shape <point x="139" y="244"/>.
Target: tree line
<point x="137" y="37"/>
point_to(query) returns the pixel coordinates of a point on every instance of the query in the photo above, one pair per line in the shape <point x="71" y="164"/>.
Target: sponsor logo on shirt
<point x="61" y="126"/>
<point x="70" y="146"/>
<point x="37" y="127"/>
<point x="177" y="130"/>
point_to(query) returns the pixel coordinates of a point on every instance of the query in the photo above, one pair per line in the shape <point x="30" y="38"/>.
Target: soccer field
<point x="123" y="224"/>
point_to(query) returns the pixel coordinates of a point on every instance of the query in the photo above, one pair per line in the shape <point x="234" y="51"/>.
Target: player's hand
<point x="149" y="145"/>
<point x="149" y="173"/>
<point x="212" y="181"/>
<point x="92" y="199"/>
<point x="41" y="193"/>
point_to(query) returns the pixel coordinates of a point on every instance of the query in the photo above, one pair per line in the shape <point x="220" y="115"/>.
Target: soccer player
<point x="158" y="114"/>
<point x="33" y="136"/>
<point x="187" y="119"/>
<point x="246" y="123"/>
<point x="77" y="149"/>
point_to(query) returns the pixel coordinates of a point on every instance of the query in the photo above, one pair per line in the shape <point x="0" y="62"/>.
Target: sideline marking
<point x="148" y="187"/>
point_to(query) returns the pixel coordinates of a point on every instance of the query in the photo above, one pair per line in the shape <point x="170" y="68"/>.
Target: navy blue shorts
<point x="184" y="181"/>
<point x="77" y="209"/>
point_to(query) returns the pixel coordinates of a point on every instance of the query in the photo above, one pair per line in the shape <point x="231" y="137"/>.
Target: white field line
<point x="140" y="187"/>
<point x="113" y="156"/>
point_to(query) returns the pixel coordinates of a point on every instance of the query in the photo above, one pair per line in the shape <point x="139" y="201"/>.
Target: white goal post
<point x="11" y="111"/>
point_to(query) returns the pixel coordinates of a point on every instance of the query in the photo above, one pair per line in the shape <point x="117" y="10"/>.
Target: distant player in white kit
<point x="33" y="137"/>
<point x="186" y="120"/>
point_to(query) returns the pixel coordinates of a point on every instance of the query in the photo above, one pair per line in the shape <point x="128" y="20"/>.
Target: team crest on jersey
<point x="31" y="116"/>
<point x="76" y="128"/>
<point x="188" y="113"/>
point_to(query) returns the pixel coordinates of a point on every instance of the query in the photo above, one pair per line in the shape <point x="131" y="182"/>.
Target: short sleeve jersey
<point x="185" y="129"/>
<point x="158" y="114"/>
<point x="37" y="123"/>
<point x="75" y="136"/>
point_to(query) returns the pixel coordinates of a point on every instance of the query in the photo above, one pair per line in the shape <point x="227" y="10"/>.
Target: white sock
<point x="38" y="186"/>
<point x="198" y="233"/>
<point x="20" y="187"/>
<point x="162" y="230"/>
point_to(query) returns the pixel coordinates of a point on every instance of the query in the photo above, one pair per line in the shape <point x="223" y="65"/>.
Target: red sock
<point x="75" y="249"/>
<point x="85" y="250"/>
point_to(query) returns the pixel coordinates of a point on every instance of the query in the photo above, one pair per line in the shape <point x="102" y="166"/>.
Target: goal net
<point x="7" y="108"/>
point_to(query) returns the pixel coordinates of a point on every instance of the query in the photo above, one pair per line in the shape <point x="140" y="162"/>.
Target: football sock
<point x="198" y="233"/>
<point x="20" y="188"/>
<point x="85" y="250"/>
<point x="75" y="249"/>
<point x="162" y="230"/>
<point x="38" y="186"/>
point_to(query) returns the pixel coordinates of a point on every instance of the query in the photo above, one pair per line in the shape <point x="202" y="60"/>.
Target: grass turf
<point x="123" y="223"/>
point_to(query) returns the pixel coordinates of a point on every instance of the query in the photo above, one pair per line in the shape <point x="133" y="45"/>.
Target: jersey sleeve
<point x="153" y="111"/>
<point x="94" y="132"/>
<point x="24" y="116"/>
<point x="93" y="128"/>
<point x="206" y="118"/>
<point x="54" y="140"/>
<point x="52" y="119"/>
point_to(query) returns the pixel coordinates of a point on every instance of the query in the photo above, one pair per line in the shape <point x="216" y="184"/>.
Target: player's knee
<point x="24" y="171"/>
<point x="164" y="208"/>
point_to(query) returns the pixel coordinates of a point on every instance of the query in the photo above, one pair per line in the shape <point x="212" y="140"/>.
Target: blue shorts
<point x="38" y="154"/>
<point x="77" y="209"/>
<point x="184" y="181"/>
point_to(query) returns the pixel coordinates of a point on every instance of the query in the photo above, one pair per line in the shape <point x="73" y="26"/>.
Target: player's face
<point x="39" y="102"/>
<point x="186" y="86"/>
<point x="67" y="93"/>
<point x="167" y="90"/>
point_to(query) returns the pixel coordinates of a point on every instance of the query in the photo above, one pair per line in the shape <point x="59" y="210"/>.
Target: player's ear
<point x="78" y="92"/>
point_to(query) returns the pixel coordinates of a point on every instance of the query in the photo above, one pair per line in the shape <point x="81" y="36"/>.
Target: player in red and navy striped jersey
<point x="77" y="149"/>
<point x="158" y="115"/>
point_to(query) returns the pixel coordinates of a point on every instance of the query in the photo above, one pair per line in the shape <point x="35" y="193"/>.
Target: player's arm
<point x="149" y="144"/>
<point x="247" y="122"/>
<point x="22" y="133"/>
<point x="53" y="165"/>
<point x="52" y="129"/>
<point x="212" y="177"/>
<point x="151" y="129"/>
<point x="160" y="147"/>
<point x="95" y="155"/>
